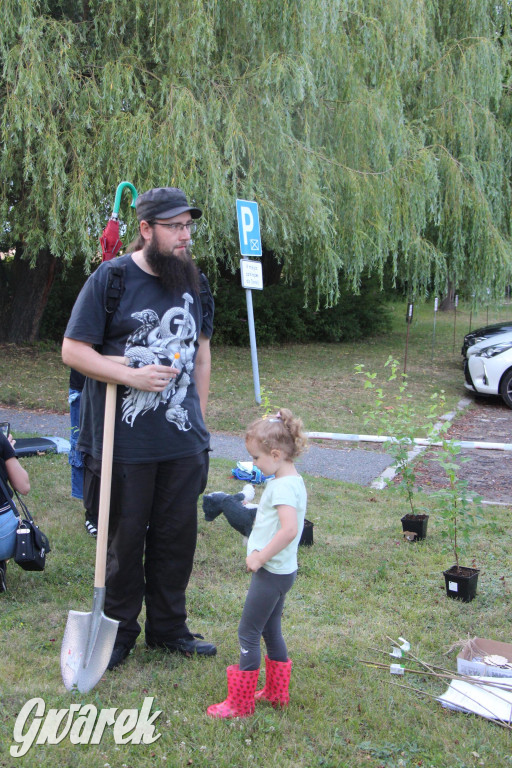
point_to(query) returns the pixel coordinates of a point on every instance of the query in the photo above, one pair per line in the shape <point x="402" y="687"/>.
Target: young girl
<point x="274" y="443"/>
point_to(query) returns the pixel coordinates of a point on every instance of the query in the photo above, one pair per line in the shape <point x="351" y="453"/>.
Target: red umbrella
<point x="110" y="241"/>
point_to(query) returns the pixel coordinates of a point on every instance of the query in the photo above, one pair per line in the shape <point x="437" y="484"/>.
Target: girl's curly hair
<point x="283" y="431"/>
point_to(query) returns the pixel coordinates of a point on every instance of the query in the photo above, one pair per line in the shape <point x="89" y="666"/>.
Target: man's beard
<point x="176" y="273"/>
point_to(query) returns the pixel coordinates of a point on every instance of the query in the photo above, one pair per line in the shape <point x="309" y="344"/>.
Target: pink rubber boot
<point x="276" y="683"/>
<point x="241" y="690"/>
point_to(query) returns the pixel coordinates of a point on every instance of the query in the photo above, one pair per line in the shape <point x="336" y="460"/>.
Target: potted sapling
<point x="396" y="417"/>
<point x="459" y="511"/>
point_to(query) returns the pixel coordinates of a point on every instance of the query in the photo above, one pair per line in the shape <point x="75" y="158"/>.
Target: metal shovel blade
<point x="89" y="637"/>
<point x="82" y="666"/>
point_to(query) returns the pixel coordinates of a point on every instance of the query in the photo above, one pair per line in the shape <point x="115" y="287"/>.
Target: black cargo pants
<point x="151" y="544"/>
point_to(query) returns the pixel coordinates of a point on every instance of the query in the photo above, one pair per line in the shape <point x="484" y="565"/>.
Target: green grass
<point x="358" y="584"/>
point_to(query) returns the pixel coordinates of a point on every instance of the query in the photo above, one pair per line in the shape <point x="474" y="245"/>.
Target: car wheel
<point x="506" y="388"/>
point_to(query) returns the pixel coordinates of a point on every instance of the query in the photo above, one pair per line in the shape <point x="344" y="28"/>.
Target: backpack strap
<point x="114" y="289"/>
<point x="113" y="292"/>
<point x="203" y="289"/>
<point x="207" y="304"/>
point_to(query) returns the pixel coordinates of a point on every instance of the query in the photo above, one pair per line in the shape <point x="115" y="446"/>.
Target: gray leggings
<point x="262" y="616"/>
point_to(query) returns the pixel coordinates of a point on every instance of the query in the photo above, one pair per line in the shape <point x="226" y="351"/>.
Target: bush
<point x="280" y="316"/>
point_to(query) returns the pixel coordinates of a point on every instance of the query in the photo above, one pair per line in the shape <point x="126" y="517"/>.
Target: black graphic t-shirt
<point x="150" y="326"/>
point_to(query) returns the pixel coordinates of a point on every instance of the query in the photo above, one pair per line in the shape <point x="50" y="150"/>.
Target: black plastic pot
<point x="416" y="524"/>
<point x="461" y="584"/>
<point x="306" y="540"/>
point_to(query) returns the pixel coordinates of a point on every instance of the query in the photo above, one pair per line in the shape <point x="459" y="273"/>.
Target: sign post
<point x="251" y="272"/>
<point x="408" y="319"/>
<point x="436" y="305"/>
<point x="455" y="305"/>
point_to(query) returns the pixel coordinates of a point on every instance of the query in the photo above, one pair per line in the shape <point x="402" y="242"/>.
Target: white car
<point x="491" y="339"/>
<point x="484" y="334"/>
<point x="489" y="370"/>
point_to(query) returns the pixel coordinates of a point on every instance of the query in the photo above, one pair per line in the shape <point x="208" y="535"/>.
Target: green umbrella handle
<point x="119" y="192"/>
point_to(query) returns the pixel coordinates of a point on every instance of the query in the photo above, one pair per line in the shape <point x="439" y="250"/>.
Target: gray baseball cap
<point x="164" y="203"/>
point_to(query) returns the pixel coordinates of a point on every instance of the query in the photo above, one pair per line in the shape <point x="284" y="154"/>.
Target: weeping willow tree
<point x="374" y="136"/>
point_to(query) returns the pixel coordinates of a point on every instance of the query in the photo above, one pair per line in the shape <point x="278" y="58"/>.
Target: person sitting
<point x="13" y="474"/>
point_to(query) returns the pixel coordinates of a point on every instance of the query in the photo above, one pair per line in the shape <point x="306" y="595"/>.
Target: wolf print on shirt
<point x="169" y="341"/>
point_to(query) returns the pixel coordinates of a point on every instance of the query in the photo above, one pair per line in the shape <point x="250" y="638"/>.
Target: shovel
<point x="89" y="637"/>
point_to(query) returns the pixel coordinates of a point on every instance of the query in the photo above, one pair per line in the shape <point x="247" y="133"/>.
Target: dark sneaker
<point x="91" y="528"/>
<point x="187" y="645"/>
<point x="3" y="568"/>
<point x="120" y="653"/>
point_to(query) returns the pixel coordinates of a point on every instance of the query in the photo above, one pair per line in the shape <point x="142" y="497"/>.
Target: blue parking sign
<point x="248" y="227"/>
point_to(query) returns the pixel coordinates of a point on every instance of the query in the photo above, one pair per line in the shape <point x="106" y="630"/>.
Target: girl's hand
<point x="254" y="561"/>
<point x="284" y="536"/>
<point x="11" y="440"/>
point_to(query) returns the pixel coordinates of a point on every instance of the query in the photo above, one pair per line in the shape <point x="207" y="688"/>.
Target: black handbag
<point x="32" y="544"/>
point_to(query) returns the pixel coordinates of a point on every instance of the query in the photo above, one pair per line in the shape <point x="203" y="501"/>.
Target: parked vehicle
<point x="489" y="370"/>
<point x="480" y="335"/>
<point x="495" y="338"/>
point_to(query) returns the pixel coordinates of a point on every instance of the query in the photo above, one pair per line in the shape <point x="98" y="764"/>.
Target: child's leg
<point x="264" y="602"/>
<point x="273" y="636"/>
<point x="272" y="633"/>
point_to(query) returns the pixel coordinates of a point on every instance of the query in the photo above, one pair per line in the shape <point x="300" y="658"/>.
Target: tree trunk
<point x="448" y="302"/>
<point x="25" y="296"/>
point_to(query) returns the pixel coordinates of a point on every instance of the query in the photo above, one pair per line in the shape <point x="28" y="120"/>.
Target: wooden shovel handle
<point x="106" y="484"/>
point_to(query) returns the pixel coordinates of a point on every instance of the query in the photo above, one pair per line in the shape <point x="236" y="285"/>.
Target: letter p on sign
<point x="248" y="227"/>
<point x="247" y="222"/>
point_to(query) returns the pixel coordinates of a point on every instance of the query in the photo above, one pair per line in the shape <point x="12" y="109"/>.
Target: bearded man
<point x="162" y="327"/>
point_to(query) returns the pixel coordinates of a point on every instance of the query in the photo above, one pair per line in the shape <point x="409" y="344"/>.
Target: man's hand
<point x="151" y="378"/>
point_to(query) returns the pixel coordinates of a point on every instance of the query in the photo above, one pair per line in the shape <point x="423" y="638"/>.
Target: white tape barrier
<point x="415" y="440"/>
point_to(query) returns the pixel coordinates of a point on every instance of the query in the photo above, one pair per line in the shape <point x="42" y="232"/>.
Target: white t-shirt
<point x="288" y="490"/>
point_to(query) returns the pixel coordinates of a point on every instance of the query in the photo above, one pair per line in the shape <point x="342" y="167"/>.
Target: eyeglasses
<point x="178" y="227"/>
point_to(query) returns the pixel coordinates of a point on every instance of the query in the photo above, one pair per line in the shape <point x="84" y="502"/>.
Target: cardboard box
<point x="470" y="659"/>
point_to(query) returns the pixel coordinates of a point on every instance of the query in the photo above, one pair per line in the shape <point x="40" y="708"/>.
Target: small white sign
<point x="252" y="274"/>
<point x="436" y="304"/>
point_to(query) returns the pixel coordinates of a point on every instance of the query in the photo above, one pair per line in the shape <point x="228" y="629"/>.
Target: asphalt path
<point x="334" y="461"/>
